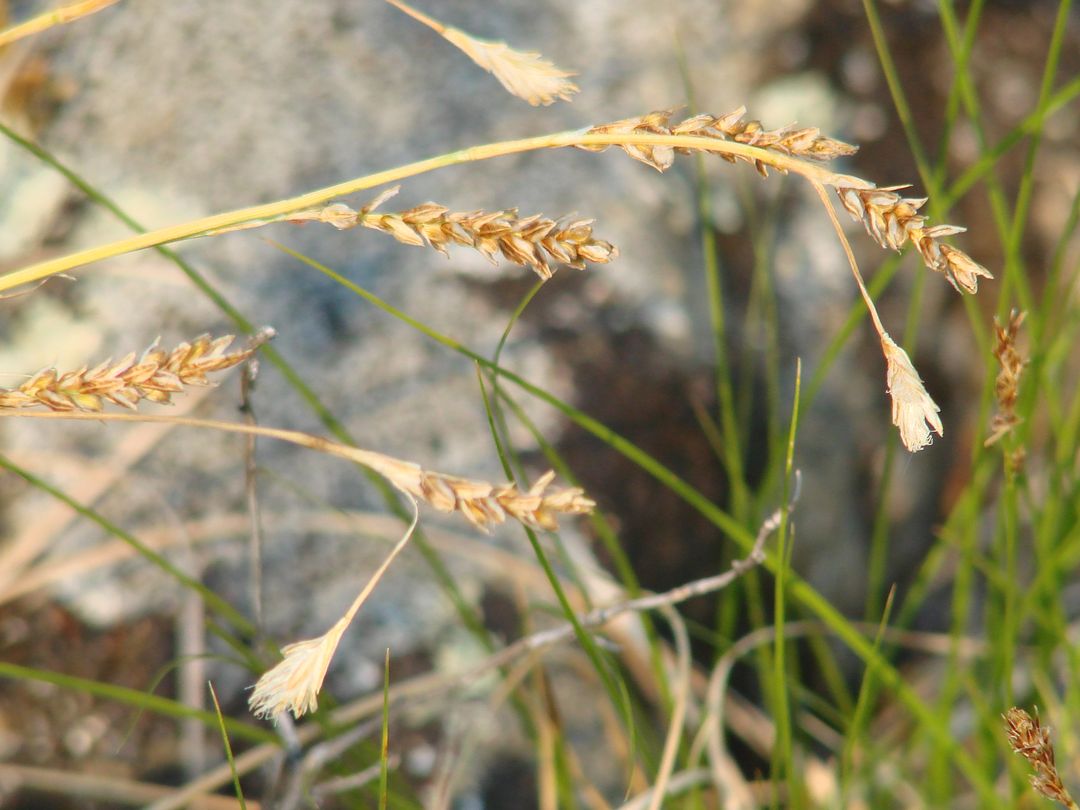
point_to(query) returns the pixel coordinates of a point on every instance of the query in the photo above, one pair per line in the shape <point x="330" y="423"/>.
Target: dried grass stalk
<point x="59" y="16"/>
<point x="807" y="142"/>
<point x="893" y="220"/>
<point x="1031" y="740"/>
<point x="525" y="74"/>
<point x="1007" y="384"/>
<point x="534" y="241"/>
<point x="155" y="376"/>
<point x="914" y="412"/>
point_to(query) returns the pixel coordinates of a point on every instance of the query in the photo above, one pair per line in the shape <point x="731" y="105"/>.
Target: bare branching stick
<point x="430" y="685"/>
<point x="525" y="74"/>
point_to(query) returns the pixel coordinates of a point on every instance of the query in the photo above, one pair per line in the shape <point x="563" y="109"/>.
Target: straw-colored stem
<point x="58" y="16"/>
<point x="824" y="195"/>
<point x="481" y="503"/>
<point x="229" y="219"/>
<point x="419" y="16"/>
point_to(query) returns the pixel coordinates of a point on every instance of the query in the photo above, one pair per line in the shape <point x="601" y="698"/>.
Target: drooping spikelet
<point x="525" y="74"/>
<point x="1031" y="740"/>
<point x="807" y="142"/>
<point x="914" y="412"/>
<point x="893" y="220"/>
<point x="534" y="241"/>
<point x="293" y="684"/>
<point x="155" y="376"/>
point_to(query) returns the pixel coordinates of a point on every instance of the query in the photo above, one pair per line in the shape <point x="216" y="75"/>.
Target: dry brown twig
<point x="1031" y="740"/>
<point x="525" y="74"/>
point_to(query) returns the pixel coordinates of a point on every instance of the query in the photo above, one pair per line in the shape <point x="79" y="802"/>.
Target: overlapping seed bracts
<point x="155" y="376"/>
<point x="892" y="220"/>
<point x="535" y="241"/>
<point x="1031" y="740"/>
<point x="485" y="505"/>
<point x="806" y="142"/>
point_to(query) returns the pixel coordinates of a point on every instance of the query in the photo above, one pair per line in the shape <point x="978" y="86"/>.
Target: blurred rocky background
<point x="177" y="110"/>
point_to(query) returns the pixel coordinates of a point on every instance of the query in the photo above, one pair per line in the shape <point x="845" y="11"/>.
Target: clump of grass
<point x="1031" y="740"/>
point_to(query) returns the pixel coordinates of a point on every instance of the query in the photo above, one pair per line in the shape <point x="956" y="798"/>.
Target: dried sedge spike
<point x="1031" y="740"/>
<point x="893" y="220"/>
<point x="807" y="142"/>
<point x="525" y="74"/>
<point x="155" y="376"/>
<point x="483" y="504"/>
<point x="1007" y="385"/>
<point x="533" y="241"/>
<point x="914" y="412"/>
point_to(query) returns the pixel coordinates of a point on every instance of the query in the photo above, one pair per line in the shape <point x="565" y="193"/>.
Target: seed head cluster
<point x="1007" y="385"/>
<point x="534" y="241"/>
<point x="893" y="220"/>
<point x="155" y="376"/>
<point x="482" y="503"/>
<point x="1031" y="740"/>
<point x="806" y="142"/>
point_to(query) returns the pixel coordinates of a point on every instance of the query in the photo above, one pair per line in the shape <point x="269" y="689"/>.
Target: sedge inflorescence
<point x="154" y="376"/>
<point x="893" y="220"/>
<point x="534" y="241"/>
<point x="804" y="142"/>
